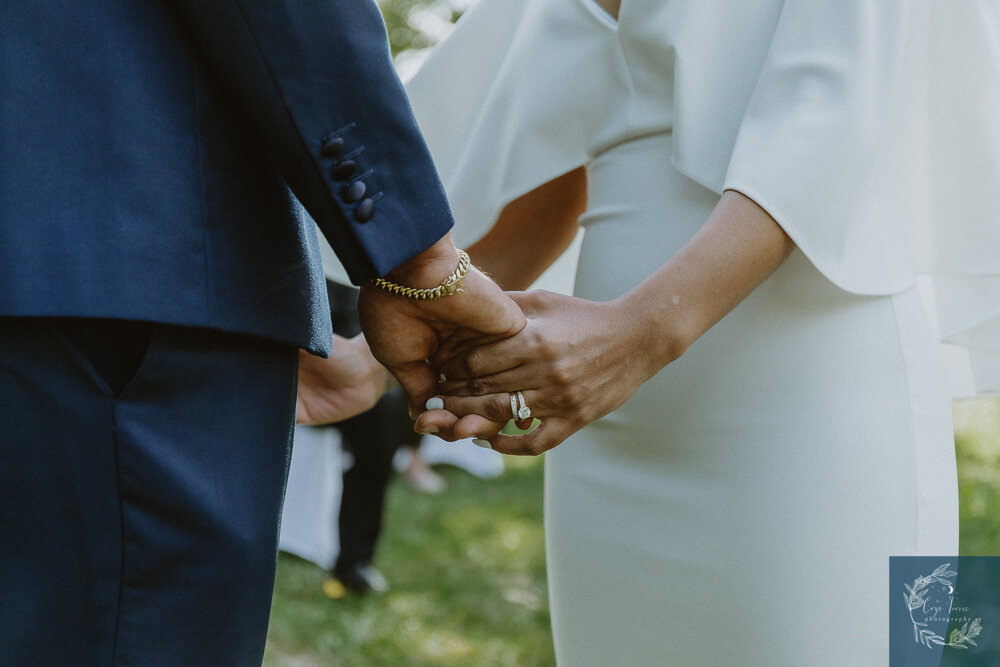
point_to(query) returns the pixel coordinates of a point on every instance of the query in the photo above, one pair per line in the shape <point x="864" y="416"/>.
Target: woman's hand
<point x="350" y="382"/>
<point x="574" y="362"/>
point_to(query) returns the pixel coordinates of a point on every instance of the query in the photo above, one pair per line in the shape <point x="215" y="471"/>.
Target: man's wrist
<point x="429" y="268"/>
<point x="450" y="285"/>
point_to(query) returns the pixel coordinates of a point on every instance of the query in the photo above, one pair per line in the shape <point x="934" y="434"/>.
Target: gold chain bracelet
<point x="450" y="285"/>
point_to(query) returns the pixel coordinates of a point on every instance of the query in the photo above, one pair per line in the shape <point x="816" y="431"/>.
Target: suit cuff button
<point x="355" y="191"/>
<point x="365" y="210"/>
<point x="333" y="148"/>
<point x="344" y="170"/>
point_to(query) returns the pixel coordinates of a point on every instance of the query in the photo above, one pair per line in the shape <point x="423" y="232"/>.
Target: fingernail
<point x="430" y="430"/>
<point x="434" y="404"/>
<point x="479" y="442"/>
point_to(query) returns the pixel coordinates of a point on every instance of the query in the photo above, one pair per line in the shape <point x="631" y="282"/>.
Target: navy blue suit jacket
<point x="150" y="150"/>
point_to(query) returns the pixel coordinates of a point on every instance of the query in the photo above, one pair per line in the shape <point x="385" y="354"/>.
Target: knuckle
<point x="499" y="406"/>
<point x="576" y="396"/>
<point x="560" y="375"/>
<point x="479" y="387"/>
<point x="570" y="396"/>
<point x="537" y="341"/>
<point x="549" y="351"/>
<point x="472" y="362"/>
<point x="456" y="368"/>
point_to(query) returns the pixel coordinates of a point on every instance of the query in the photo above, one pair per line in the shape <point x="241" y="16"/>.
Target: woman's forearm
<point x="738" y="247"/>
<point x="532" y="232"/>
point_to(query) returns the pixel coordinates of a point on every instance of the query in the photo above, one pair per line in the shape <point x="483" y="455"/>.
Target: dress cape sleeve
<point x="504" y="107"/>
<point x="872" y="136"/>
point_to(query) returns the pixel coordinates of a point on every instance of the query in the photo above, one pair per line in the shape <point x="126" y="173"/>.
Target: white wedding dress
<point x="741" y="507"/>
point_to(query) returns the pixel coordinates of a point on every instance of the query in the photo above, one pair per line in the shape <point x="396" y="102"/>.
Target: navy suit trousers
<point x="139" y="494"/>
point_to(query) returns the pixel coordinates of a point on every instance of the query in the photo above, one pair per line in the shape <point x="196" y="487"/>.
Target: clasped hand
<point x="574" y="361"/>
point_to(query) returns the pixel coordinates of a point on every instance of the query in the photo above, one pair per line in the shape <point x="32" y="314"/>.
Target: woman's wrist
<point x="657" y="329"/>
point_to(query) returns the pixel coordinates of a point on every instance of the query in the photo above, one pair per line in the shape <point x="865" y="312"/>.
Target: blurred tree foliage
<point x="414" y="25"/>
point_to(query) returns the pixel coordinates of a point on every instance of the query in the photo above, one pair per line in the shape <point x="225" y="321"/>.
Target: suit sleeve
<point x="317" y="83"/>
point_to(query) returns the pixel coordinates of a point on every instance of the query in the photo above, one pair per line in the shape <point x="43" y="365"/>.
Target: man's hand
<point x="350" y="382"/>
<point x="412" y="338"/>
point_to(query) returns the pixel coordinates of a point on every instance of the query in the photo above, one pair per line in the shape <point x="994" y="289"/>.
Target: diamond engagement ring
<point x="518" y="407"/>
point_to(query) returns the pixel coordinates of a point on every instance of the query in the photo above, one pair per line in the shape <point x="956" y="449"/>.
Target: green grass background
<point x="467" y="583"/>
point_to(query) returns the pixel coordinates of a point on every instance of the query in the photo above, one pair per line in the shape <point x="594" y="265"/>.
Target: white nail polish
<point x="434" y="404"/>
<point x="479" y="442"/>
<point x="442" y="378"/>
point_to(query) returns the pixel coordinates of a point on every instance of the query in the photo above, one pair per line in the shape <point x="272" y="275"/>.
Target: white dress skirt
<point x="741" y="508"/>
